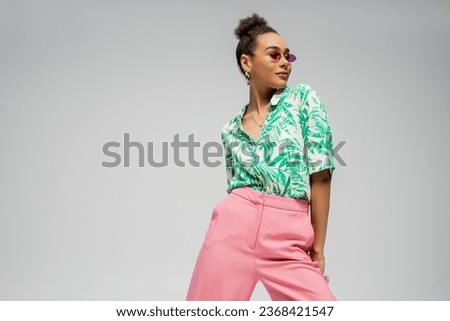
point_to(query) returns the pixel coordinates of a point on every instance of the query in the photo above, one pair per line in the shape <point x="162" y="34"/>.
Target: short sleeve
<point x="318" y="136"/>
<point x="228" y="160"/>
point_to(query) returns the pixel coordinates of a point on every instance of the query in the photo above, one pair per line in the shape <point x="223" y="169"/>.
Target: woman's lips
<point x="283" y="75"/>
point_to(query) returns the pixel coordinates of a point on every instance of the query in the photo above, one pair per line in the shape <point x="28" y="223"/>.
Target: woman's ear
<point x="246" y="63"/>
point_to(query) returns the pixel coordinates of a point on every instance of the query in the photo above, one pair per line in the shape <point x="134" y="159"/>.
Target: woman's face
<point x="265" y="70"/>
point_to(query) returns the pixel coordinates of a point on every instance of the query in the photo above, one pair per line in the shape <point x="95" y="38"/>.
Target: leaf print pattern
<point x="294" y="142"/>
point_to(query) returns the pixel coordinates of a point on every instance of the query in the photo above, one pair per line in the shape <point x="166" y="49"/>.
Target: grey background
<point x="77" y="74"/>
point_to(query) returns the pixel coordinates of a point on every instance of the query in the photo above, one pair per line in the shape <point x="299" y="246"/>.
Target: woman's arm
<point x="320" y="183"/>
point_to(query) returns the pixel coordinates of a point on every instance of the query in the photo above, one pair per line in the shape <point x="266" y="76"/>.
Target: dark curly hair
<point x="247" y="31"/>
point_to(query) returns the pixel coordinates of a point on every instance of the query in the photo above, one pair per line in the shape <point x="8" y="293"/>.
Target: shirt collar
<point x="277" y="95"/>
<point x="273" y="104"/>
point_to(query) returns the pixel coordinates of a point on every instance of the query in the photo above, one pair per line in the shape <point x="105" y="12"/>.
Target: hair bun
<point x="246" y="25"/>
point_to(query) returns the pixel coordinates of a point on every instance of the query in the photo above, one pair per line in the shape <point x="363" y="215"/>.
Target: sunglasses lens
<point x="291" y="58"/>
<point x="275" y="56"/>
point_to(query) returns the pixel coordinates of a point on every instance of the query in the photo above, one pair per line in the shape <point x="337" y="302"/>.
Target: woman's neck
<point x="259" y="99"/>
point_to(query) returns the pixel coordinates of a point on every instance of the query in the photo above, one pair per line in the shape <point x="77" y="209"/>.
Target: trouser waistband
<point x="271" y="200"/>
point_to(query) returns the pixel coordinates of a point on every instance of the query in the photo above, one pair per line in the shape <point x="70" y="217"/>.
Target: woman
<point x="279" y="162"/>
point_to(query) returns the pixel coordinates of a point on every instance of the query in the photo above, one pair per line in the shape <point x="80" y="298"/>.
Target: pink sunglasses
<point x="276" y="56"/>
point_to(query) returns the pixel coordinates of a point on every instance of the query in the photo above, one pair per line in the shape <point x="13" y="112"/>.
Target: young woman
<point x="279" y="162"/>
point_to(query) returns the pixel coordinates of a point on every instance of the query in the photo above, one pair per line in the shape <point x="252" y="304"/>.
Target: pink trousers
<point x="255" y="237"/>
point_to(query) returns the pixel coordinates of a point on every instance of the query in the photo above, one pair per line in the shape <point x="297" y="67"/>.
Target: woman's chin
<point x="282" y="84"/>
<point x="279" y="84"/>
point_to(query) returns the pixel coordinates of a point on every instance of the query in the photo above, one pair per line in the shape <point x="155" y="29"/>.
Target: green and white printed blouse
<point x="295" y="141"/>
